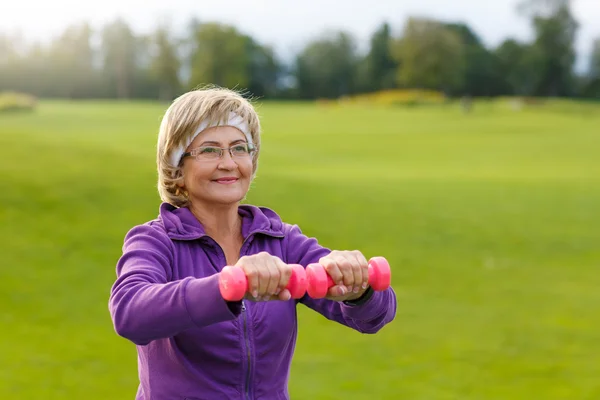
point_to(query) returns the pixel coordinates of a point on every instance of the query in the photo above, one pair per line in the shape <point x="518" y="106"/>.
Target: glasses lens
<point x="240" y="150"/>
<point x="209" y="152"/>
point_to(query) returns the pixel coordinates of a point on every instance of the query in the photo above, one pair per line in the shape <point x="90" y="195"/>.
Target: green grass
<point x="489" y="220"/>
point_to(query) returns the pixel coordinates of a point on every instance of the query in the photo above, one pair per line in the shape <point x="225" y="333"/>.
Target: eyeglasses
<point x="209" y="153"/>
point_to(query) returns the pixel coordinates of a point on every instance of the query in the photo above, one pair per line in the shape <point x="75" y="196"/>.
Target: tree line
<point x="115" y="62"/>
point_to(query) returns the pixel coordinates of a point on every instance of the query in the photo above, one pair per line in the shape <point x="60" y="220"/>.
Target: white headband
<point x="234" y="120"/>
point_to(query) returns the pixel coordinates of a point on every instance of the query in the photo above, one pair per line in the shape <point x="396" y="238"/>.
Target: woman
<point x="191" y="342"/>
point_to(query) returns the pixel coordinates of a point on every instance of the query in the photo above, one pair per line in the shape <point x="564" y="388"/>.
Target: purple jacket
<point x="194" y="345"/>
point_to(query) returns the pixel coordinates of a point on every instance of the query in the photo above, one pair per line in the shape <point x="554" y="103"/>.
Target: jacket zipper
<point x="247" y="342"/>
<point x="246" y="335"/>
<point x="245" y="319"/>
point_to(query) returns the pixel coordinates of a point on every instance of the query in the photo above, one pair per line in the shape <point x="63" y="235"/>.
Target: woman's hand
<point x="349" y="270"/>
<point x="267" y="277"/>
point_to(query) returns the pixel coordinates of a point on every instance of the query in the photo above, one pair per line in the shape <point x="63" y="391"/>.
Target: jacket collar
<point x="181" y="224"/>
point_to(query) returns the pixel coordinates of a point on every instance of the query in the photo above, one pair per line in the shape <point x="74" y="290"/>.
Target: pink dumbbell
<point x="233" y="283"/>
<point x="319" y="282"/>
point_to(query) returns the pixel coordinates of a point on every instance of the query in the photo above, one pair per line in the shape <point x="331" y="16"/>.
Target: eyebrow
<point x="217" y="143"/>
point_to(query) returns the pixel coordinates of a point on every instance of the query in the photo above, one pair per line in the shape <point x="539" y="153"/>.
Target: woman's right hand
<point x="267" y="277"/>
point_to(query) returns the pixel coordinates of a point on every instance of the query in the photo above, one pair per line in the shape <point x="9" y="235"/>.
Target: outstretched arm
<point x="367" y="314"/>
<point x="145" y="304"/>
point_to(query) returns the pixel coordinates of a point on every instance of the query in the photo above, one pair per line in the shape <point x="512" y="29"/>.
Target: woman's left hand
<point x="349" y="271"/>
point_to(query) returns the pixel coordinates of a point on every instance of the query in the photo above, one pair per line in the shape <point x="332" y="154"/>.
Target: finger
<point x="251" y="274"/>
<point x="274" y="277"/>
<point x="336" y="291"/>
<point x="285" y="273"/>
<point x="332" y="270"/>
<point x="264" y="275"/>
<point x="284" y="295"/>
<point x="345" y="266"/>
<point x="356" y="272"/>
<point x="364" y="266"/>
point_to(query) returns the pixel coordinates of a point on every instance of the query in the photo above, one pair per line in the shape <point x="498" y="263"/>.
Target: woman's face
<point x="211" y="180"/>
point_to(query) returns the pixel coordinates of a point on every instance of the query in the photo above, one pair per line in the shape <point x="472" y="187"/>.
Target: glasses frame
<point x="195" y="151"/>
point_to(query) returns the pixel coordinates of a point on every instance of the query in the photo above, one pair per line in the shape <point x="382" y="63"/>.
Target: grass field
<point x="490" y="222"/>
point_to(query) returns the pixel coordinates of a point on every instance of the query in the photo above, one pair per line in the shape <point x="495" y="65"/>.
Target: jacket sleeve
<point x="368" y="317"/>
<point x="145" y="304"/>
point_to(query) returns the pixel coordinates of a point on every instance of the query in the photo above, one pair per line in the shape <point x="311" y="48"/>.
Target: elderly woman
<point x="192" y="343"/>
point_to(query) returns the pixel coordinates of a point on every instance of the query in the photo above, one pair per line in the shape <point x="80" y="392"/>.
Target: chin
<point x="229" y="198"/>
<point x="221" y="196"/>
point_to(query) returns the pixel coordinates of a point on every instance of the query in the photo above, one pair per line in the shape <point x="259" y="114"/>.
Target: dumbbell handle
<point x="319" y="281"/>
<point x="233" y="283"/>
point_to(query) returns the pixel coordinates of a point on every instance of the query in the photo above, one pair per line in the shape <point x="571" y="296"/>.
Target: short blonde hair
<point x="180" y="122"/>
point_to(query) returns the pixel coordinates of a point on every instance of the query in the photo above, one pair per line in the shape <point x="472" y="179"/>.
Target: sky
<point x="288" y="25"/>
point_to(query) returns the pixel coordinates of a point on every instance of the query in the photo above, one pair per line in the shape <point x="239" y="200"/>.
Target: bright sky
<point x="286" y="24"/>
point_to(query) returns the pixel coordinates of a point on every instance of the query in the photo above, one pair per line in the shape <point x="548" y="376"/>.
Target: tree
<point x="481" y="67"/>
<point x="264" y="69"/>
<point x="517" y="67"/>
<point x="380" y="66"/>
<point x="219" y="56"/>
<point x="594" y="70"/>
<point x="165" y="64"/>
<point x="10" y="61"/>
<point x="555" y="29"/>
<point x="592" y="80"/>
<point x="8" y="49"/>
<point x="430" y="55"/>
<point x="119" y="54"/>
<point x="71" y="62"/>
<point x="326" y="67"/>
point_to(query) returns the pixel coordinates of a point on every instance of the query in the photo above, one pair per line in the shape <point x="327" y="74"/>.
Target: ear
<point x="180" y="186"/>
<point x="179" y="181"/>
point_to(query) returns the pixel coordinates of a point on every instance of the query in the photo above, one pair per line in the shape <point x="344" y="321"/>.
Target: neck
<point x="222" y="223"/>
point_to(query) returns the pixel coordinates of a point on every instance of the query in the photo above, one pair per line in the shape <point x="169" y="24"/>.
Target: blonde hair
<point x="186" y="113"/>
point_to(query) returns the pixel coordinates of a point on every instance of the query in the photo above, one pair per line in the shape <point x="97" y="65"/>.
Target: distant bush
<point x="14" y="101"/>
<point x="406" y="97"/>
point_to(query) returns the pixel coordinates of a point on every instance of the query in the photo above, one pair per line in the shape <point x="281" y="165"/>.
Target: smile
<point x="226" y="181"/>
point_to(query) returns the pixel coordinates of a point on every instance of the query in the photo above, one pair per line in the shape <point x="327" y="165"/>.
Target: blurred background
<point x="153" y="50"/>
<point x="460" y="140"/>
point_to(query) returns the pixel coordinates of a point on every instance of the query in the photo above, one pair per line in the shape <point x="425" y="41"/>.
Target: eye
<point x="208" y="150"/>
<point x="240" y="148"/>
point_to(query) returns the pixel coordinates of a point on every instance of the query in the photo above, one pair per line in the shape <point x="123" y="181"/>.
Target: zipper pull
<point x="243" y="306"/>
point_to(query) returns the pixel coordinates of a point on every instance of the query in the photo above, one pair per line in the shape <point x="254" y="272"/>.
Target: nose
<point x="227" y="161"/>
